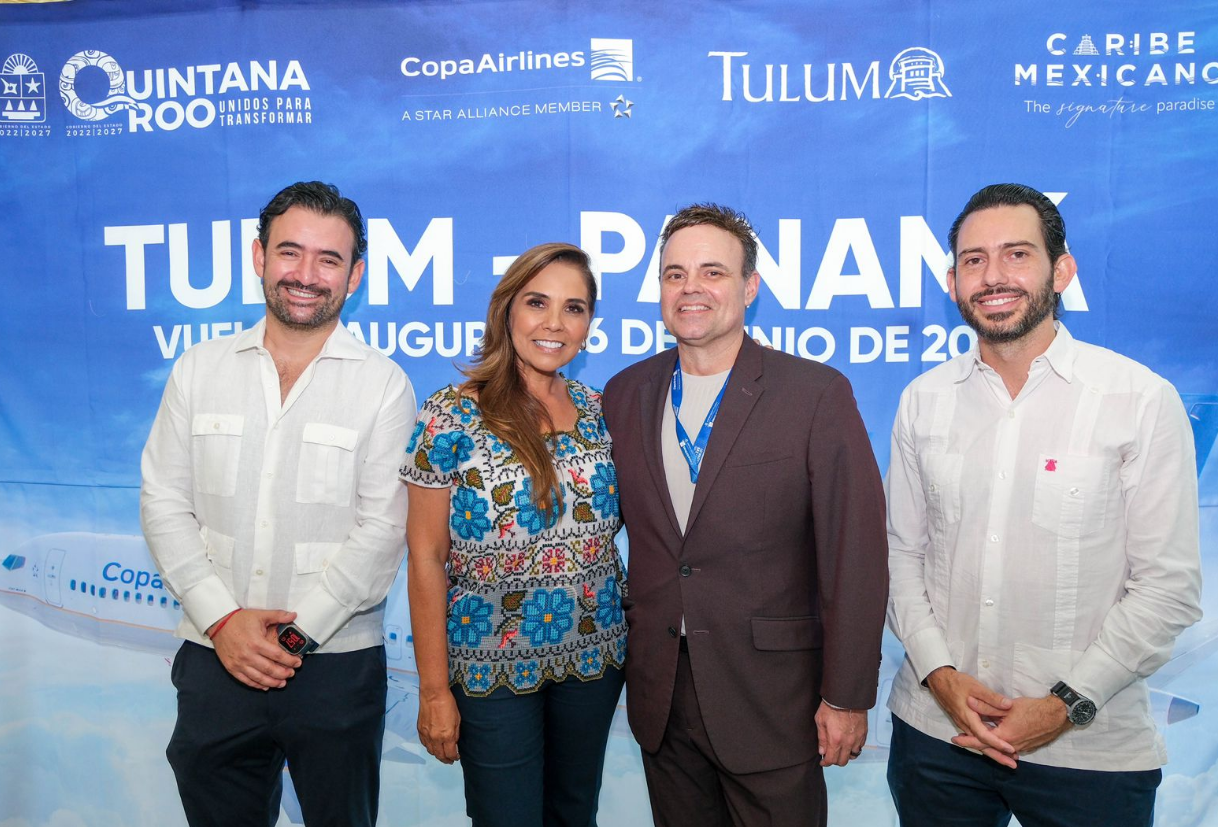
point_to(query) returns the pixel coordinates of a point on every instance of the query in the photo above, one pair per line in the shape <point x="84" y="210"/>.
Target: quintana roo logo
<point x="917" y="73"/>
<point x="100" y="110"/>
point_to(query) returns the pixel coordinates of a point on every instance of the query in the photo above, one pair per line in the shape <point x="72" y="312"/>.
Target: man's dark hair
<point x="1052" y="227"/>
<point x="323" y="199"/>
<point x="715" y="215"/>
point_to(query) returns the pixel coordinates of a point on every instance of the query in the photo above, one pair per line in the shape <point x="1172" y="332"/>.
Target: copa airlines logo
<point x="1121" y="59"/>
<point x="915" y="73"/>
<point x="231" y="94"/>
<point x="610" y="60"/>
<point x="114" y="572"/>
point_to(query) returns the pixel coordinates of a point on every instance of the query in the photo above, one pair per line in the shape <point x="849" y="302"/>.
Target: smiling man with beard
<point x="271" y="504"/>
<point x="1043" y="550"/>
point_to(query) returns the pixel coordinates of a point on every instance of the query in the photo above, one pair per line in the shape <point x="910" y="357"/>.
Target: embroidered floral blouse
<point x="530" y="600"/>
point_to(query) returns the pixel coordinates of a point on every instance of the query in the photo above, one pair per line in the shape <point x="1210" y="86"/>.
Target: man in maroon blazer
<point x="758" y="573"/>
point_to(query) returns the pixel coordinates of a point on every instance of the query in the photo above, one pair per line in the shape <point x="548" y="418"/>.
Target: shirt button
<point x="1002" y="475"/>
<point x="993" y="537"/>
<point x="270" y="474"/>
<point x="1074" y="492"/>
<point x="685" y="571"/>
<point x="989" y="601"/>
<point x="215" y="426"/>
<point x="258" y="572"/>
<point x="933" y="488"/>
<point x="265" y="523"/>
<point x="985" y="664"/>
<point x="672" y="632"/>
<point x="1010" y="414"/>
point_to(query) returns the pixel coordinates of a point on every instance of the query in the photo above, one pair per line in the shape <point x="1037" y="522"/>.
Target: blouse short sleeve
<point x="439" y="444"/>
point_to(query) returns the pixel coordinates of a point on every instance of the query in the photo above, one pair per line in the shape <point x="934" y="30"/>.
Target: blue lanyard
<point x="693" y="451"/>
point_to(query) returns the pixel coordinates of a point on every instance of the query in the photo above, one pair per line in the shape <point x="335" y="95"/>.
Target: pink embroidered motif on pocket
<point x="1050" y="465"/>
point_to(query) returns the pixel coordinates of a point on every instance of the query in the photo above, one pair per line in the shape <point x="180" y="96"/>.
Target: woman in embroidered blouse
<point x="514" y="579"/>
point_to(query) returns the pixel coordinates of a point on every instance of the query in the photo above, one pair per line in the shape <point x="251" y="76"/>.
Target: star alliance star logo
<point x="621" y="107"/>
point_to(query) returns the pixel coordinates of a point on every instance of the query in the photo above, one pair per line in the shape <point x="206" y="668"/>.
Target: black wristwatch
<point x="294" y="641"/>
<point x="1079" y="710"/>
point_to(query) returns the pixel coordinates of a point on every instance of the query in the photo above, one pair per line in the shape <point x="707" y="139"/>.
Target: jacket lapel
<point x="652" y="397"/>
<point x="743" y="391"/>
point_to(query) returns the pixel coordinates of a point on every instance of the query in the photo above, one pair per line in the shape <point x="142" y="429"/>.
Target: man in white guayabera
<point x="1043" y="550"/>
<point x="272" y="507"/>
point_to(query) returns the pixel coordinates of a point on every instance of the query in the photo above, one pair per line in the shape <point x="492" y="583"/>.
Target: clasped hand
<point x="248" y="647"/>
<point x="996" y="726"/>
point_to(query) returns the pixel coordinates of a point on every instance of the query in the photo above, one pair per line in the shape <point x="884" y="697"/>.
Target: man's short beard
<point x="325" y="313"/>
<point x="1040" y="306"/>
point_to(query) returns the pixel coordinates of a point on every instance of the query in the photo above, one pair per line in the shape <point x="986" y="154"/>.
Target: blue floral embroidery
<point x="589" y="430"/>
<point x="547" y="616"/>
<point x="530" y="516"/>
<point x="465" y="409"/>
<point x="570" y="626"/>
<point x="413" y="445"/>
<point x="609" y="605"/>
<point x="528" y="674"/>
<point x="469" y="621"/>
<point x="604" y="491"/>
<point x="449" y="451"/>
<point x="590" y="662"/>
<point x="469" y="518"/>
<point x="564" y="446"/>
<point x="478" y="677"/>
<point x="497" y="445"/>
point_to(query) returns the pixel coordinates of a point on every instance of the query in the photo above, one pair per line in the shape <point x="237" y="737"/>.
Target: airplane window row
<point x="94" y="590"/>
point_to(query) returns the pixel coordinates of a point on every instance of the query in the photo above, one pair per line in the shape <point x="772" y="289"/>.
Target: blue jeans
<point x="535" y="760"/>
<point x="938" y="784"/>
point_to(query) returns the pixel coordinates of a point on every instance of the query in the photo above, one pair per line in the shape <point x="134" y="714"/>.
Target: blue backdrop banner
<point x="138" y="142"/>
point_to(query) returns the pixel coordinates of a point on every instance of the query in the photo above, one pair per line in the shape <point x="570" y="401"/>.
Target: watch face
<point x="1082" y="713"/>
<point x="292" y="640"/>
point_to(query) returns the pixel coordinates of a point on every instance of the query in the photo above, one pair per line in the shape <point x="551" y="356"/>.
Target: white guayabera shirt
<point x="1051" y="537"/>
<point x="247" y="502"/>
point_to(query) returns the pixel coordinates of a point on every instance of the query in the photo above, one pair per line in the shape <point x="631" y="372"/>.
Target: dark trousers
<point x="938" y="784"/>
<point x="536" y="759"/>
<point x="230" y="742"/>
<point x="688" y="786"/>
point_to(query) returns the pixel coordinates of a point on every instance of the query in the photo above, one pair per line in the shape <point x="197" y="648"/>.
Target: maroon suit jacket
<point x="782" y="574"/>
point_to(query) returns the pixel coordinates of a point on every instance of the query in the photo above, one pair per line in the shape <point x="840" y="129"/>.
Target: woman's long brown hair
<point x="509" y="411"/>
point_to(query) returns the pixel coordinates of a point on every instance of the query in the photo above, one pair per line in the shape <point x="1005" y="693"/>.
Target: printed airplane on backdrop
<point x="104" y="587"/>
